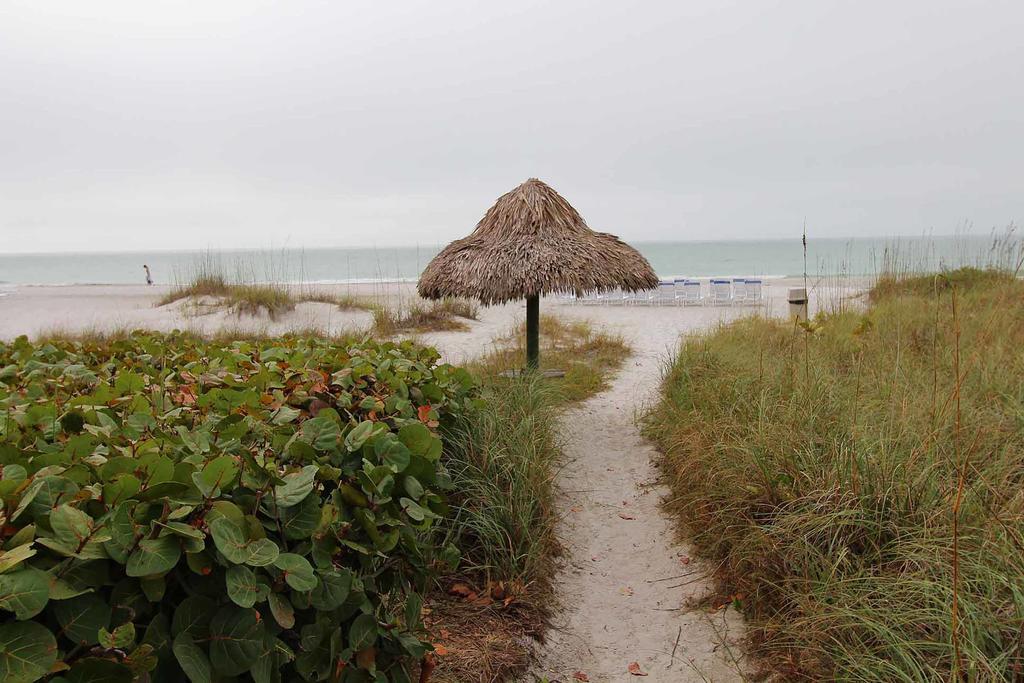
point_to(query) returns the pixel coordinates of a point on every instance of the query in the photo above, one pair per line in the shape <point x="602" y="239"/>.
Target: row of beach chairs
<point x="735" y="291"/>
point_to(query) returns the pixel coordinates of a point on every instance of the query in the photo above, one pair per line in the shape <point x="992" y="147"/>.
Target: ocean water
<point x="765" y="258"/>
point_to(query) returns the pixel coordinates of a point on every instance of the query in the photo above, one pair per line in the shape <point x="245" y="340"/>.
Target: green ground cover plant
<point x="857" y="480"/>
<point x="256" y="510"/>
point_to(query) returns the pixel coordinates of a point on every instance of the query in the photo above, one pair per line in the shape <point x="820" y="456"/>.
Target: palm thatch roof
<point x="532" y="242"/>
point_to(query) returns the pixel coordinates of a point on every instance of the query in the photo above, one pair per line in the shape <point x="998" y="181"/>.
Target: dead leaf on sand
<point x="634" y="669"/>
<point x="463" y="591"/>
<point x="580" y="676"/>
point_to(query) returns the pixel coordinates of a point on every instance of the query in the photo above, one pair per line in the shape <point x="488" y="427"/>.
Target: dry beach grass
<point x="857" y="480"/>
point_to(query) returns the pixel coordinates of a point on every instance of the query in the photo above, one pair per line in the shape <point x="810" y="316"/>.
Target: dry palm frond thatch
<point x="532" y="242"/>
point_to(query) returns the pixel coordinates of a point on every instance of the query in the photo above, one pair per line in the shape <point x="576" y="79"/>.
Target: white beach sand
<point x="625" y="580"/>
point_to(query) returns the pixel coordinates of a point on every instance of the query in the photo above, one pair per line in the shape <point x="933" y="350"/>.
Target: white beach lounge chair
<point x="666" y="293"/>
<point x="646" y="297"/>
<point x="720" y="292"/>
<point x="753" y="290"/>
<point x="739" y="290"/>
<point x="679" y="293"/>
<point x="691" y="293"/>
<point x="617" y="297"/>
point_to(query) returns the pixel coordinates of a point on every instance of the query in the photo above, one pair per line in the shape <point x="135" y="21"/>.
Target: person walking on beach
<point x="149" y="278"/>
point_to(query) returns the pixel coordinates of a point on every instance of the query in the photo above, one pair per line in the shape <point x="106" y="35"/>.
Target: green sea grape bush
<point x="174" y="508"/>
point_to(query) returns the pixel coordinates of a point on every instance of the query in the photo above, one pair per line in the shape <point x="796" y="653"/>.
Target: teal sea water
<point x="765" y="258"/>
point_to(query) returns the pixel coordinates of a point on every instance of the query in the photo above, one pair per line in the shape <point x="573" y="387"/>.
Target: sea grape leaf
<point x="122" y="637"/>
<point x="129" y="383"/>
<point x="244" y="587"/>
<point x="24" y="592"/>
<point x="298" y="572"/>
<point x="300" y="521"/>
<point x="267" y="669"/>
<point x="191" y="658"/>
<point x="413" y="487"/>
<point x="237" y="639"/>
<point x="71" y="525"/>
<point x="123" y="487"/>
<point x="79" y="578"/>
<point x="82" y="617"/>
<point x="27" y="651"/>
<point x="154" y="556"/>
<point x="153" y="587"/>
<point x="284" y="415"/>
<point x="9" y="559"/>
<point x="321" y="432"/>
<point x="99" y="670"/>
<point x="231" y="541"/>
<point x="332" y="589"/>
<point x="363" y="632"/>
<point x="142" y="659"/>
<point x="40" y="500"/>
<point x="296" y="487"/>
<point x="419" y="440"/>
<point x="221" y="472"/>
<point x="392" y="452"/>
<point x="355" y="439"/>
<point x="281" y="608"/>
<point x="182" y="529"/>
<point x="193" y="616"/>
<point x="416" y="511"/>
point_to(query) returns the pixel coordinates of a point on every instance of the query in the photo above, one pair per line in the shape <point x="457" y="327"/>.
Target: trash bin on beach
<point x="798" y="303"/>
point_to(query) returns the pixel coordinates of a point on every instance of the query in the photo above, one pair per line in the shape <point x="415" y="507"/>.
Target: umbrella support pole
<point x="532" y="332"/>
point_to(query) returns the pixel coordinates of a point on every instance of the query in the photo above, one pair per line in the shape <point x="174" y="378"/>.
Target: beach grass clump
<point x="502" y="460"/>
<point x="207" y="279"/>
<point x="587" y="357"/>
<point x="857" y="479"/>
<point x="420" y="315"/>
<point x="966" y="278"/>
<point x="214" y="285"/>
<point x="207" y="285"/>
<point x="348" y="302"/>
<point x="255" y="299"/>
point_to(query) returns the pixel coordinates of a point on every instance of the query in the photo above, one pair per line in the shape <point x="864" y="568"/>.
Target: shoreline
<point x="404" y="280"/>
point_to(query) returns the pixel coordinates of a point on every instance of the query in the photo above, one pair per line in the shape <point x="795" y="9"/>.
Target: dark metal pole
<point x="532" y="332"/>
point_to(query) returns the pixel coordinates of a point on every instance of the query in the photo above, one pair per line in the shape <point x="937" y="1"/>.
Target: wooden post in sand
<point x="532" y="332"/>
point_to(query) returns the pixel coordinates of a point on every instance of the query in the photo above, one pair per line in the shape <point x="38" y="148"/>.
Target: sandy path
<point x="625" y="583"/>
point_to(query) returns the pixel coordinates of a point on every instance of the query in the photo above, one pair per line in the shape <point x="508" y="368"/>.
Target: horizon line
<point x="439" y="245"/>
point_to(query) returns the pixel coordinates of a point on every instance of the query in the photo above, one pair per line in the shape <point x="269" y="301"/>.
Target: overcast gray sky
<point x="244" y="123"/>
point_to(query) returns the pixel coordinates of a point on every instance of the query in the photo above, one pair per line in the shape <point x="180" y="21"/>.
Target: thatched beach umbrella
<point x="531" y="243"/>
